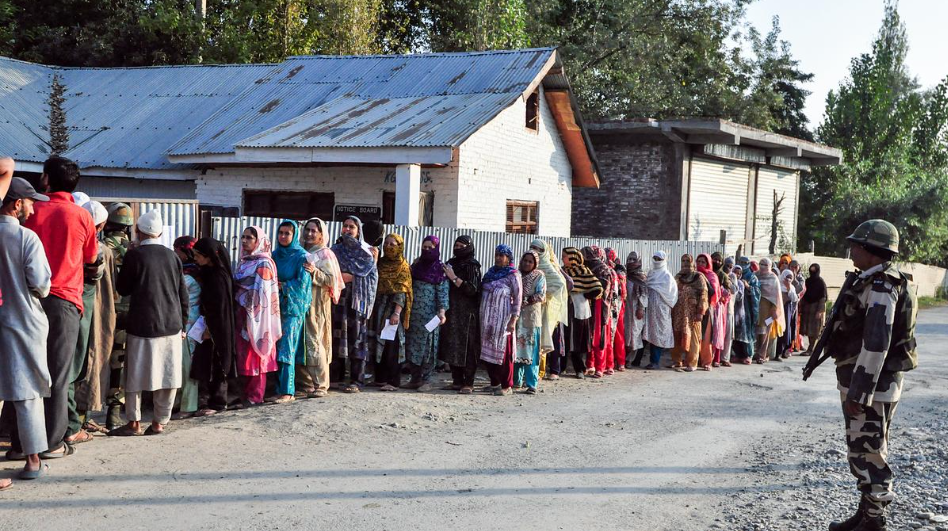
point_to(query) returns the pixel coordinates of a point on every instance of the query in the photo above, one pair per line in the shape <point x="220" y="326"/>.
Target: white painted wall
<point x="502" y="161"/>
<point x="506" y="161"/>
<point x="353" y="185"/>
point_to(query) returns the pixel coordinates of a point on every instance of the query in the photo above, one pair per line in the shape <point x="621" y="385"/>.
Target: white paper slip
<point x="388" y="333"/>
<point x="769" y="321"/>
<point x="435" y="322"/>
<point x="197" y="330"/>
<point x="311" y="258"/>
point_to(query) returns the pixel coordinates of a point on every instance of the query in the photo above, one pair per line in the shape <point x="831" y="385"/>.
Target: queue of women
<point x="350" y="315"/>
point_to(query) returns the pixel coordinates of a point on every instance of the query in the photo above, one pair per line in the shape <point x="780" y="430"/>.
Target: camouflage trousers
<point x="867" y="438"/>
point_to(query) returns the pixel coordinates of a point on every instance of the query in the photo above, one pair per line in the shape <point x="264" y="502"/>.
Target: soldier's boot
<point x="853" y="521"/>
<point x="114" y="417"/>
<point x="871" y="523"/>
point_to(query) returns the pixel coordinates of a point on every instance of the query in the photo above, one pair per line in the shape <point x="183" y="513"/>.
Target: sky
<point x="826" y="34"/>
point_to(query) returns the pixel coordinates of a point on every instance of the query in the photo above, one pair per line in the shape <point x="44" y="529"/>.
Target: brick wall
<point x="351" y="184"/>
<point x="640" y="193"/>
<point x="506" y="161"/>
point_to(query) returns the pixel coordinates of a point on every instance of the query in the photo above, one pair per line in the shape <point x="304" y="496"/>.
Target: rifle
<point x="817" y="357"/>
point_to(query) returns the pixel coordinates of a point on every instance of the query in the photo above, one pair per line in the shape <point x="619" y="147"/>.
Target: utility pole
<point x="200" y="6"/>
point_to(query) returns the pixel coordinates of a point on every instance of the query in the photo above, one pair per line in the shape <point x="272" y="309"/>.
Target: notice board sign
<point x="363" y="212"/>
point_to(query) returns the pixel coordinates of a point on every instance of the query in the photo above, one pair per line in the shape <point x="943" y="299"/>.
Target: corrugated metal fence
<point x="228" y="230"/>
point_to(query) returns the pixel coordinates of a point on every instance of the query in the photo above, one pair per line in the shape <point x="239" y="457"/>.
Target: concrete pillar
<point x="407" y="192"/>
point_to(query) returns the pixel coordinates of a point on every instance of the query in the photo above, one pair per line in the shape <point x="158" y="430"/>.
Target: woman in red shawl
<point x="617" y="360"/>
<point x="713" y="338"/>
<point x="604" y="311"/>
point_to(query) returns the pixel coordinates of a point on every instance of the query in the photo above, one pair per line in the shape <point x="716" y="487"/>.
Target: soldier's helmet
<point x="877" y="233"/>
<point x="120" y="214"/>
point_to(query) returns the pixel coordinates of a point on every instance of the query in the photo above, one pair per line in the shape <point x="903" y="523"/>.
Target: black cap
<point x="20" y="188"/>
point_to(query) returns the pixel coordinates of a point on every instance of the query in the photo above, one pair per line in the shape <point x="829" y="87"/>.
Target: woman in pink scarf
<point x="256" y="290"/>
<point x="713" y="325"/>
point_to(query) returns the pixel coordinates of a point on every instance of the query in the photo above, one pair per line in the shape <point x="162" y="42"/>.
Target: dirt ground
<point x="641" y="450"/>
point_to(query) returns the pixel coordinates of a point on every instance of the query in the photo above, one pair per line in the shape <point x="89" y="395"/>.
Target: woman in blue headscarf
<point x="501" y="300"/>
<point x="296" y="294"/>
<point x="744" y="335"/>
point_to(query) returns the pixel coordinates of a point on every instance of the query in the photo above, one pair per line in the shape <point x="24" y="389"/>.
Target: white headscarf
<point x="661" y="281"/>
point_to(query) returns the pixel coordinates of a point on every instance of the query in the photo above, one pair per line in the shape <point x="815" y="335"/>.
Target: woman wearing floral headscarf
<point x="257" y="294"/>
<point x="430" y="287"/>
<point x="501" y="300"/>
<point x="393" y="305"/>
<point x="322" y="265"/>
<point x="529" y="326"/>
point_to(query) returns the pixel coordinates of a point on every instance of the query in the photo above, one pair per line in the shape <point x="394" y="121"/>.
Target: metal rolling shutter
<point x="717" y="200"/>
<point x="786" y="183"/>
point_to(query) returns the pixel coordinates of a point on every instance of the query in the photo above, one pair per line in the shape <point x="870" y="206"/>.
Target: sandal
<point x="353" y="389"/>
<point x="706" y="368"/>
<point x="125" y="431"/>
<point x="746" y="361"/>
<point x="34" y="474"/>
<point x="152" y="431"/>
<point x="285" y="399"/>
<point x="554" y="377"/>
<point x="14" y="456"/>
<point x="597" y="374"/>
<point x="80" y="437"/>
<point x="206" y="412"/>
<point x="725" y="364"/>
<point x="388" y="388"/>
<point x="530" y="391"/>
<point x="94" y="427"/>
<point x="466" y="390"/>
<point x="5" y="487"/>
<point x="319" y="393"/>
<point x="182" y="415"/>
<point x="67" y="448"/>
<point x="715" y="364"/>
<point x="609" y="372"/>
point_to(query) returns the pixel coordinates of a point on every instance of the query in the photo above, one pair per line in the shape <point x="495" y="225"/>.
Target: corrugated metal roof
<point x="24" y="112"/>
<point x="303" y="84"/>
<point x="415" y="121"/>
<point x="134" y="117"/>
<point x="129" y="117"/>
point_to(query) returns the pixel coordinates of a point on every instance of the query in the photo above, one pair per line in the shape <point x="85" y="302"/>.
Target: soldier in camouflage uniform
<point x="116" y="238"/>
<point x="872" y="343"/>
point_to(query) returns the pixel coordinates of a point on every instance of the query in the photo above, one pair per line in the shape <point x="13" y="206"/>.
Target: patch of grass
<point x="925" y="303"/>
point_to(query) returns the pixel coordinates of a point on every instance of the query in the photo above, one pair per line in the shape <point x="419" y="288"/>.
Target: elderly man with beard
<point x="25" y="278"/>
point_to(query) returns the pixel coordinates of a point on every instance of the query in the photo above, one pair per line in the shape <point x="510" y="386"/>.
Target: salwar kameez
<point x="189" y="386"/>
<point x="500" y="300"/>
<point x="422" y="345"/>
<point x="389" y="354"/>
<point x="529" y="328"/>
<point x="350" y="341"/>
<point x="316" y="354"/>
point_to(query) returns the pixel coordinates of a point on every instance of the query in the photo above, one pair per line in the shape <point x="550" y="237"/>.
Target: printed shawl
<point x="325" y="260"/>
<point x="557" y="297"/>
<point x="496" y="273"/>
<point x="257" y="292"/>
<point x="355" y="258"/>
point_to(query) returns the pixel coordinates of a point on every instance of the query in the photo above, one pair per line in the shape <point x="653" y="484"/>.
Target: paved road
<point x="639" y="450"/>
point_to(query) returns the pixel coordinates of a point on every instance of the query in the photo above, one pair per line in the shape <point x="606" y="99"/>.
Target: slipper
<point x="319" y="393"/>
<point x="353" y="389"/>
<point x="34" y="474"/>
<point x="124" y="431"/>
<point x="152" y="431"/>
<point x="81" y="437"/>
<point x="7" y="486"/>
<point x="206" y="412"/>
<point x="388" y="388"/>
<point x="92" y="426"/>
<point x="68" y="450"/>
<point x="284" y="400"/>
<point x="181" y="415"/>
<point x="466" y="390"/>
<point x="15" y="456"/>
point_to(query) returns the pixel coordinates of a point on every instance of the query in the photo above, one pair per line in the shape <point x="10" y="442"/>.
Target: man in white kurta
<point x="25" y="278"/>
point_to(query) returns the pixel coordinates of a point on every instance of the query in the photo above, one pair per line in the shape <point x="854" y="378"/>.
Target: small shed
<point x="697" y="179"/>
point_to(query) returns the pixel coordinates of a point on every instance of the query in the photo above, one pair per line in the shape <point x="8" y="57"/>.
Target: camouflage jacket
<point x="118" y="242"/>
<point x="861" y="342"/>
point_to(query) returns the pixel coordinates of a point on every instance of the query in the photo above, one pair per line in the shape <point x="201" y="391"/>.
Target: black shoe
<point x="871" y="524"/>
<point x="850" y="523"/>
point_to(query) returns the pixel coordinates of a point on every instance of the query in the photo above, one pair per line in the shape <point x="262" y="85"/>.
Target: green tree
<point x="894" y="154"/>
<point x="463" y="25"/>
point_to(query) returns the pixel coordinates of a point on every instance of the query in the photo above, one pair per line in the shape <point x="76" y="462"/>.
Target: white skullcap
<point x="150" y="223"/>
<point x="80" y="198"/>
<point x="99" y="213"/>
